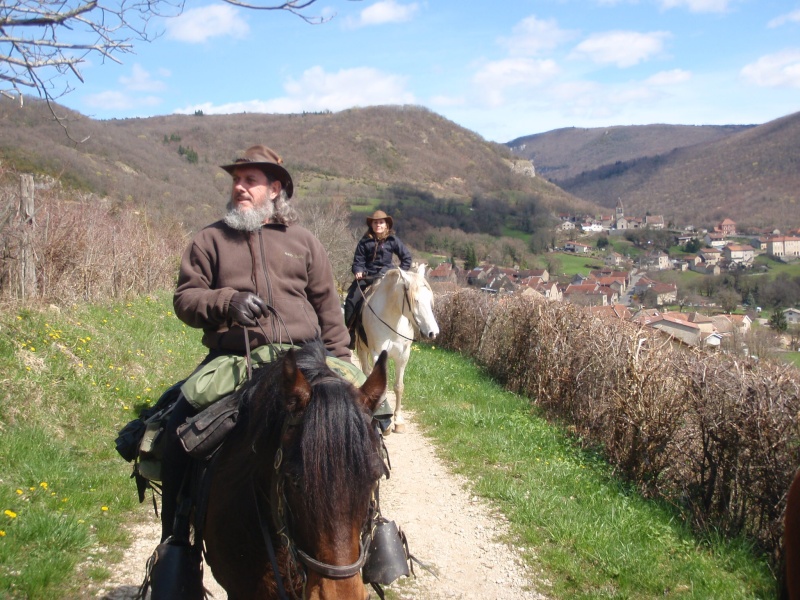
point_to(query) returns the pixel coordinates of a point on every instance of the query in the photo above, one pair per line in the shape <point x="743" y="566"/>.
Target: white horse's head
<point x="420" y="297"/>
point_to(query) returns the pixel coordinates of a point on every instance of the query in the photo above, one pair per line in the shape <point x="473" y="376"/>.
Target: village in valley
<point x="630" y="287"/>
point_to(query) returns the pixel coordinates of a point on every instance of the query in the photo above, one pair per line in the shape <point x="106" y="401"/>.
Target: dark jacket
<point x="373" y="257"/>
<point x="285" y="265"/>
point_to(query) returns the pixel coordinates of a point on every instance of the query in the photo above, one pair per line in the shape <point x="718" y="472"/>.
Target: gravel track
<point x="455" y="533"/>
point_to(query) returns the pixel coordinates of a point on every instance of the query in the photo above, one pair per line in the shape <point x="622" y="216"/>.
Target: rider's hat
<point x="268" y="161"/>
<point x="379" y="214"/>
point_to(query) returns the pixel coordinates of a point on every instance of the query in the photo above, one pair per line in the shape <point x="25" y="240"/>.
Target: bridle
<point x="406" y="302"/>
<point x="299" y="561"/>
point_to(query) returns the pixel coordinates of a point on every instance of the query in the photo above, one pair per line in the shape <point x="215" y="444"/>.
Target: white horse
<point x="397" y="305"/>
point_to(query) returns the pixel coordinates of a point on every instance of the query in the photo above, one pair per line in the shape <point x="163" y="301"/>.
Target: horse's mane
<point x="335" y="455"/>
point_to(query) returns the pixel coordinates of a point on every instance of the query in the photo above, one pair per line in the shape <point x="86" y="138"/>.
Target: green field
<point x="572" y="264"/>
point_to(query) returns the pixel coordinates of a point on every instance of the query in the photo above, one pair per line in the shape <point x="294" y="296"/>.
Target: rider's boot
<point x="175" y="569"/>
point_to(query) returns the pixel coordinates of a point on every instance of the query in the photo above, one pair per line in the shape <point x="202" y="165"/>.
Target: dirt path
<point x="457" y="534"/>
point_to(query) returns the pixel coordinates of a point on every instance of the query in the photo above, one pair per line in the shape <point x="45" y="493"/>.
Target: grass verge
<point x="589" y="534"/>
<point x="71" y="379"/>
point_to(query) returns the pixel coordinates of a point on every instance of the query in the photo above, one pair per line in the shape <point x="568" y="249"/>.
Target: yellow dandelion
<point x="2" y="533"/>
<point x="65" y="499"/>
<point x="43" y="485"/>
<point x="104" y="508"/>
<point x="32" y="349"/>
<point x="124" y="407"/>
<point x="10" y="514"/>
<point x="19" y="492"/>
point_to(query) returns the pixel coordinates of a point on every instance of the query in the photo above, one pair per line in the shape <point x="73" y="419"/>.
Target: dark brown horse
<point x="791" y="541"/>
<point x="296" y="477"/>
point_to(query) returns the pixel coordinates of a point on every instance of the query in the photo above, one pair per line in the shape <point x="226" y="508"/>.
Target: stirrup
<point x="174" y="572"/>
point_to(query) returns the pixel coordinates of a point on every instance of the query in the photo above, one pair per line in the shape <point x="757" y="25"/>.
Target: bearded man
<point x="255" y="273"/>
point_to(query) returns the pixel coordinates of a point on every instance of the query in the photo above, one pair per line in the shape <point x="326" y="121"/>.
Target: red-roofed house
<point x="727" y="227"/>
<point x="783" y="246"/>
<point x="741" y="254"/>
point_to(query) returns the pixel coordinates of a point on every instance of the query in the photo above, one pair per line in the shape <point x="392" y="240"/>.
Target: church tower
<point x="620" y="210"/>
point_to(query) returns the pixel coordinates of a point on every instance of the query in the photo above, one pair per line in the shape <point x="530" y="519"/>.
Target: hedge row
<point x="715" y="435"/>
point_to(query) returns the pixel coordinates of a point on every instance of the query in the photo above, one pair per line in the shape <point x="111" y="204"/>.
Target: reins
<point x="402" y="311"/>
<point x="261" y="327"/>
<point x="278" y="504"/>
<point x="296" y="555"/>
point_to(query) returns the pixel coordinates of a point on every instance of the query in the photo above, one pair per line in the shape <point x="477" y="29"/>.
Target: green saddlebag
<point x="210" y="389"/>
<point x="225" y="374"/>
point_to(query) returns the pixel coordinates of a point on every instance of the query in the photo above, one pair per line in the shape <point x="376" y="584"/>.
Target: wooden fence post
<point x="27" y="223"/>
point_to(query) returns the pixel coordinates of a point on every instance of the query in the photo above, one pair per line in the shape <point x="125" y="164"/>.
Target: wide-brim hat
<point x="268" y="161"/>
<point x="379" y="214"/>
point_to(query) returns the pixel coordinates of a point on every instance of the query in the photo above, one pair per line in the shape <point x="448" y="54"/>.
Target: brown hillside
<point x="752" y="176"/>
<point x="565" y="153"/>
<point x="353" y="154"/>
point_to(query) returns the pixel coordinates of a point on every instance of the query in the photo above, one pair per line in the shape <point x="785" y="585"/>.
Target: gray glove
<point x="246" y="307"/>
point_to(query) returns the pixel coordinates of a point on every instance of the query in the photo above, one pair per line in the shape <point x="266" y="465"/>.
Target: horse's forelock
<point x="338" y="452"/>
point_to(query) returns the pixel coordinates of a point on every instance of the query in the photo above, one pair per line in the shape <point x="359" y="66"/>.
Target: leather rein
<point x="279" y="504"/>
<point x="406" y="301"/>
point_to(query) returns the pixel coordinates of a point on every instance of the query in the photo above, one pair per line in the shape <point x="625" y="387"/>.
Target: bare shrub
<point x="84" y="250"/>
<point x="462" y="318"/>
<point x="715" y="435"/>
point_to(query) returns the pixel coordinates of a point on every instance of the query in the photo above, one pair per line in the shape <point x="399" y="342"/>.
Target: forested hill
<point x="691" y="175"/>
<point x="169" y="164"/>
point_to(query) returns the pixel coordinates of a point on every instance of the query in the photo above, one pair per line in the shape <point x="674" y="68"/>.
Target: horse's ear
<point x="375" y="386"/>
<point x="421" y="268"/>
<point x="296" y="390"/>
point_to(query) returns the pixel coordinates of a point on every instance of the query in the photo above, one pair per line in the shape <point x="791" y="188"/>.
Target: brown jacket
<point x="285" y="265"/>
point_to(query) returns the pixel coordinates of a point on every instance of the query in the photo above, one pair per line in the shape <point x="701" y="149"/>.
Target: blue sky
<point x="503" y="69"/>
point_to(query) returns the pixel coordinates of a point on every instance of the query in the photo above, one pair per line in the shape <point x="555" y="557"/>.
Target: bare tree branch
<point x="33" y="54"/>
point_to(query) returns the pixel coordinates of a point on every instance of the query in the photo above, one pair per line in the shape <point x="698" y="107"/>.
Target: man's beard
<point x="249" y="220"/>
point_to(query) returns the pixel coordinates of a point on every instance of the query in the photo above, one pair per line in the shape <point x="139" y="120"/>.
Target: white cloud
<point x="118" y="100"/>
<point x="317" y="90"/>
<point x="622" y="48"/>
<point x="792" y="17"/>
<point x="532" y="36"/>
<point x="516" y="71"/>
<point x="141" y="80"/>
<point x="698" y="6"/>
<point x="494" y="77"/>
<point x="775" y="70"/>
<point x="672" y="77"/>
<point x="197" y="25"/>
<point x="383" y="12"/>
